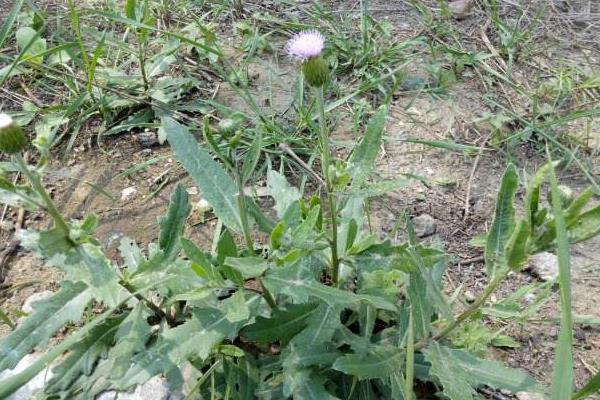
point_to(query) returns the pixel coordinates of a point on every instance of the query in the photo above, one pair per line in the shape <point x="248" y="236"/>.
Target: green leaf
<point x="451" y="376"/>
<point x="249" y="267"/>
<point x="30" y="42"/>
<point x="194" y="339"/>
<point x="504" y="221"/>
<point x="131" y="253"/>
<point x="281" y="326"/>
<point x="48" y="316"/>
<point x="585" y="227"/>
<point x="131" y="338"/>
<point x="236" y="308"/>
<point x="381" y="362"/>
<point x="282" y="192"/>
<point x="490" y="373"/>
<point x="364" y="155"/>
<point x="173" y="224"/>
<point x="83" y="356"/>
<point x="516" y="247"/>
<point x="589" y="389"/>
<point x="303" y="289"/>
<point x="562" y="376"/>
<point x="217" y="187"/>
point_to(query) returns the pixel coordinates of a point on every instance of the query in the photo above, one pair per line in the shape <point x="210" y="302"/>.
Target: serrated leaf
<point x="303" y="289"/>
<point x="83" y="356"/>
<point x="382" y="362"/>
<point x="282" y="192"/>
<point x="47" y="318"/>
<point x="281" y="326"/>
<point x="504" y="221"/>
<point x="586" y="226"/>
<point x="516" y="248"/>
<point x="364" y="155"/>
<point x="131" y="338"/>
<point x="173" y="224"/>
<point x="444" y="367"/>
<point x="195" y="338"/>
<point x="217" y="187"/>
<point x="493" y="373"/>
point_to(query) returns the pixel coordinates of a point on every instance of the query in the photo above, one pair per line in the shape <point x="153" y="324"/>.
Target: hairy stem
<point x="469" y="312"/>
<point x="36" y="183"/>
<point x="325" y="163"/>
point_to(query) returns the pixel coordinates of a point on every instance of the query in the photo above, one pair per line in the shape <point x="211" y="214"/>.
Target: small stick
<point x="290" y="152"/>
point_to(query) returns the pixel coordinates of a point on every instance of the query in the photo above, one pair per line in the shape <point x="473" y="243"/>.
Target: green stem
<point x="364" y="13"/>
<point x="36" y="183"/>
<point x="142" y="61"/>
<point x="469" y="312"/>
<point x="325" y="163"/>
<point x="246" y="232"/>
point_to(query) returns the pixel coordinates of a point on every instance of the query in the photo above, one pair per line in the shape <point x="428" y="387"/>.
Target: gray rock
<point x="156" y="388"/>
<point x="37" y="296"/>
<point x="29" y="390"/>
<point x="544" y="265"/>
<point x="424" y="225"/>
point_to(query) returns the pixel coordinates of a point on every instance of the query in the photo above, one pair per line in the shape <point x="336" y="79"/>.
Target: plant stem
<point x="246" y="231"/>
<point x="325" y="163"/>
<point x="36" y="183"/>
<point x="468" y="313"/>
<point x="142" y="60"/>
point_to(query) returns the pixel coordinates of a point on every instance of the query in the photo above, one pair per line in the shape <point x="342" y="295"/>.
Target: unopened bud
<point x="316" y="71"/>
<point x="12" y="138"/>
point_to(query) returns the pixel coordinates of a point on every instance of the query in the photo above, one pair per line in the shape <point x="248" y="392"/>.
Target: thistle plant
<point x="307" y="47"/>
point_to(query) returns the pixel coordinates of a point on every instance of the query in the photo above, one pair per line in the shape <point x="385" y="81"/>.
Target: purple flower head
<point x="305" y="45"/>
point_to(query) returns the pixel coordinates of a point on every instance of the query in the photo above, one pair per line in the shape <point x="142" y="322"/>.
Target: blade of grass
<point x="10" y="20"/>
<point x="562" y="377"/>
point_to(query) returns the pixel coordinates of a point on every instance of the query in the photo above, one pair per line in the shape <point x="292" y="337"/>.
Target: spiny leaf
<point x="195" y="338"/>
<point x="131" y="338"/>
<point x="446" y="369"/>
<point x="282" y="325"/>
<point x="48" y="316"/>
<point x="173" y="224"/>
<point x="303" y="289"/>
<point x="504" y="221"/>
<point x="83" y="355"/>
<point x="217" y="187"/>
<point x="382" y="362"/>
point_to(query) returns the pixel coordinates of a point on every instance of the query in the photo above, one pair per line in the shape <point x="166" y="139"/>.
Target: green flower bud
<point x="12" y="138"/>
<point x="316" y="71"/>
<point x="227" y="126"/>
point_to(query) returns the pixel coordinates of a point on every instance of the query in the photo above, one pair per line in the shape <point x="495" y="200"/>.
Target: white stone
<point x="128" y="192"/>
<point x="28" y="390"/>
<point x="37" y="296"/>
<point x="544" y="265"/>
<point x="530" y="396"/>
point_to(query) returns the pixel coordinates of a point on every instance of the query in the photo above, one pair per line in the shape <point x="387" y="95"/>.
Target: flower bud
<point x="227" y="126"/>
<point x="316" y="71"/>
<point x="566" y="195"/>
<point x="12" y="138"/>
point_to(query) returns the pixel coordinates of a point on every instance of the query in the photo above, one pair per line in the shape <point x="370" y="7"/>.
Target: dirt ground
<point x="467" y="182"/>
